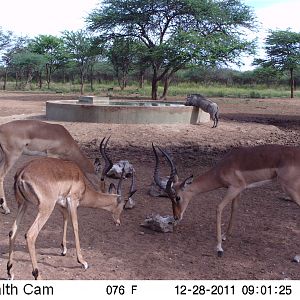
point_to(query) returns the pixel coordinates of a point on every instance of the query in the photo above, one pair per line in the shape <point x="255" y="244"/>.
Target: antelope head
<point x="175" y="189"/>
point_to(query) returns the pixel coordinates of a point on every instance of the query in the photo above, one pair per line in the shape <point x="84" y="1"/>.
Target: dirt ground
<point x="266" y="235"/>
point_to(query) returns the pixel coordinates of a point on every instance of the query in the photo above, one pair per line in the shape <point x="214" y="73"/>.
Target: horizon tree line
<point x="160" y="40"/>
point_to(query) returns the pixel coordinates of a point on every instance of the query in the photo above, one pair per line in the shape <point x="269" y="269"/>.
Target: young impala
<point x="33" y="137"/>
<point x="46" y="182"/>
<point x="240" y="169"/>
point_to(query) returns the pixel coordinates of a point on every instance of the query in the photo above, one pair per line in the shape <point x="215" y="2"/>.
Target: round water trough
<point x="123" y="112"/>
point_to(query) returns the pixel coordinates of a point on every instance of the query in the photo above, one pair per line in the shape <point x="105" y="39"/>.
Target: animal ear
<point x="186" y="182"/>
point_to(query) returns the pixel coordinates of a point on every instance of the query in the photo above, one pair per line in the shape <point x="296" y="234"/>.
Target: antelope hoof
<point x="6" y="210"/>
<point x="35" y="274"/>
<point x="117" y="223"/>
<point x="11" y="277"/>
<point x="9" y="274"/>
<point x="63" y="250"/>
<point x="4" y="206"/>
<point x="85" y="265"/>
<point x="220" y="253"/>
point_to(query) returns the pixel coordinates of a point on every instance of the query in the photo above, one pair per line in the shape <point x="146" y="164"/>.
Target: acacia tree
<point x="283" y="53"/>
<point x="80" y="48"/>
<point x="5" y="42"/>
<point x="123" y="54"/>
<point x="52" y="48"/>
<point x="5" y="38"/>
<point x="25" y="64"/>
<point x="17" y="45"/>
<point x="175" y="32"/>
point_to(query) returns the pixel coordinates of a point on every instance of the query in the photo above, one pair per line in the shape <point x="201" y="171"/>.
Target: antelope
<point x="240" y="169"/>
<point x="33" y="137"/>
<point x="47" y="182"/>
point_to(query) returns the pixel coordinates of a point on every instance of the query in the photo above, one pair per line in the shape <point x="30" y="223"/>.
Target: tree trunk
<point x="92" y="78"/>
<point x="48" y="76"/>
<point x="142" y="80"/>
<point x="81" y="79"/>
<point x="41" y="80"/>
<point x="16" y="80"/>
<point x="28" y="78"/>
<point x="64" y="76"/>
<point x="92" y="84"/>
<point x="81" y="84"/>
<point x="154" y="84"/>
<point x="292" y="82"/>
<point x="166" y="87"/>
<point x="154" y="89"/>
<point x="124" y="80"/>
<point x="5" y="79"/>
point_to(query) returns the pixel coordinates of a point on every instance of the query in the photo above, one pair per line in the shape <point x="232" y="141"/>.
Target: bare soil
<point x="266" y="235"/>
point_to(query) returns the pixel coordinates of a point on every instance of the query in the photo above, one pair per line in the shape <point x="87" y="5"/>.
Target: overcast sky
<point x="277" y="14"/>
<point x="34" y="17"/>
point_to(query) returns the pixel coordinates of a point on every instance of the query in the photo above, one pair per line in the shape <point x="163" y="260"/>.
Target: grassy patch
<point x="175" y="90"/>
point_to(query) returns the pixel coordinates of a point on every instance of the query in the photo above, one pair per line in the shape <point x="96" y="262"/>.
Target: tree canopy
<point x="52" y="49"/>
<point x="282" y="52"/>
<point x="80" y="48"/>
<point x="5" y="38"/>
<point x="177" y="33"/>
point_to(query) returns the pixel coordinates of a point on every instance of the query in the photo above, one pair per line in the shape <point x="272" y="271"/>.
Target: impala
<point x="33" y="137"/>
<point x="240" y="169"/>
<point x="46" y="182"/>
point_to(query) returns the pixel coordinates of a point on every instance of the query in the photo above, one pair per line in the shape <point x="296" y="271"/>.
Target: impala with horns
<point x="47" y="182"/>
<point x="33" y="137"/>
<point x="240" y="169"/>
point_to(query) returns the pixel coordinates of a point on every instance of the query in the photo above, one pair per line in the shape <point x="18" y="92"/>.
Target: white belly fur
<point x="34" y="153"/>
<point x="258" y="183"/>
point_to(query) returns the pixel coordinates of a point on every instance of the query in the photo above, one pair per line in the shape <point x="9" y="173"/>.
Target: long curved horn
<point x="156" y="177"/>
<point x="108" y="162"/>
<point x="173" y="176"/>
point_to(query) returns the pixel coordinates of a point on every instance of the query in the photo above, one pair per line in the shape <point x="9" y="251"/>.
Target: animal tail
<point x="24" y="189"/>
<point x="19" y="194"/>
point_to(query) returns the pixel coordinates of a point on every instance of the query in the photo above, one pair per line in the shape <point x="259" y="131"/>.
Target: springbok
<point x="34" y="137"/>
<point x="240" y="169"/>
<point x="46" y="182"/>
